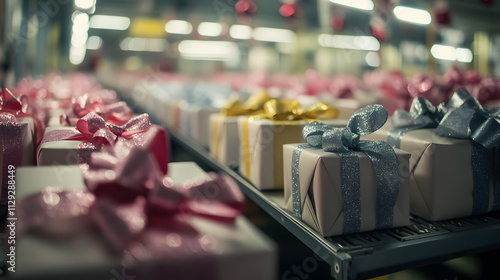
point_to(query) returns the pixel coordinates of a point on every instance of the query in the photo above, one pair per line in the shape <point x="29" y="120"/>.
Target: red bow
<point x="96" y="133"/>
<point x="140" y="212"/>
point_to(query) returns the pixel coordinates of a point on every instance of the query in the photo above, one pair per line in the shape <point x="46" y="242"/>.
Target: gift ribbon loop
<point x="422" y="114"/>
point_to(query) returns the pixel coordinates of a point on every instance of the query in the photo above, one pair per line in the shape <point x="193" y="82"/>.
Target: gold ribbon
<point x="282" y="112"/>
<point x="254" y="105"/>
<point x="216" y="136"/>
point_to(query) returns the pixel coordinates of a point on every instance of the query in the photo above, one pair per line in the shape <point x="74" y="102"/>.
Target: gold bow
<point x="254" y="105"/>
<point x="291" y="110"/>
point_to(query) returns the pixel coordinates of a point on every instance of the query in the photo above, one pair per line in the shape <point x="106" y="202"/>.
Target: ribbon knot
<point x="465" y="118"/>
<point x="422" y="114"/>
<point x="363" y="122"/>
<point x="254" y="105"/>
<point x="284" y="110"/>
<point x="93" y="126"/>
<point x="116" y="113"/>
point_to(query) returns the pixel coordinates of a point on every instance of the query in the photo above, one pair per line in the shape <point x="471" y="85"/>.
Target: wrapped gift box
<point x="66" y="152"/>
<point x="441" y="180"/>
<point x="28" y="140"/>
<point x="198" y="124"/>
<point x="9" y="154"/>
<point x="321" y="190"/>
<point x="243" y="252"/>
<point x="261" y="152"/>
<point x="58" y="152"/>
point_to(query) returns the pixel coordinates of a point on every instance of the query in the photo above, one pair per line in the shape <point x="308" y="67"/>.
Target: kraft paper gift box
<point x="321" y="190"/>
<point x="441" y="179"/>
<point x="243" y="251"/>
<point x="261" y="152"/>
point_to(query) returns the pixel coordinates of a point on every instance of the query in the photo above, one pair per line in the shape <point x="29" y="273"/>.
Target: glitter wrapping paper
<point x="242" y="252"/>
<point x="441" y="179"/>
<point x="321" y="190"/>
<point x="261" y="148"/>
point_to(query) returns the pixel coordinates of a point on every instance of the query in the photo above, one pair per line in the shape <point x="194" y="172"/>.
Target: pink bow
<point x="19" y="107"/>
<point x="116" y="113"/>
<point x="96" y="133"/>
<point x="140" y="212"/>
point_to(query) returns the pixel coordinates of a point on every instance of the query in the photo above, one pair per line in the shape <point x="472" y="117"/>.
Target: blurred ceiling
<point x="467" y="15"/>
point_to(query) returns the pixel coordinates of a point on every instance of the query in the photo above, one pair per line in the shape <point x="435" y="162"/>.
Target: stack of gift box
<point x="352" y="154"/>
<point x="349" y="155"/>
<point x="95" y="196"/>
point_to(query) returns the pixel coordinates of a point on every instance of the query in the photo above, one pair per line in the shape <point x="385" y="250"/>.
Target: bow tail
<point x="387" y="174"/>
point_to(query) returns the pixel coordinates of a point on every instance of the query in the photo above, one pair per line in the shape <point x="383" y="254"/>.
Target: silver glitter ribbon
<point x="496" y="191"/>
<point x="465" y="118"/>
<point x="422" y="114"/>
<point x="345" y="141"/>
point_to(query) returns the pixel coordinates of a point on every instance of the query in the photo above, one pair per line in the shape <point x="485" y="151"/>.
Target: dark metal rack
<point x="369" y="254"/>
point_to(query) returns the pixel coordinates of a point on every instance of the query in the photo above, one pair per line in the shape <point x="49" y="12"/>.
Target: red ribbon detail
<point x="96" y="134"/>
<point x="116" y="113"/>
<point x="11" y="140"/>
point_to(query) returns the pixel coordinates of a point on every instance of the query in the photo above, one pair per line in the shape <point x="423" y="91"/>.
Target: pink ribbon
<point x="140" y="212"/>
<point x="18" y="107"/>
<point x="116" y="113"/>
<point x="95" y="133"/>
<point x="11" y="139"/>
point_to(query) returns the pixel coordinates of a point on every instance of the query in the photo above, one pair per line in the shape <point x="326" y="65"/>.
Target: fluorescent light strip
<point x="273" y="35"/>
<point x="451" y="53"/>
<point x="412" y="15"/>
<point x="76" y="55"/>
<point x="143" y="44"/>
<point x="365" y="43"/>
<point x="94" y="43"/>
<point x="464" y="55"/>
<point x="210" y="29"/>
<point x="178" y="27"/>
<point x="366" y="5"/>
<point x="209" y="50"/>
<point x="372" y="59"/>
<point x="243" y="32"/>
<point x="109" y="22"/>
<point x="84" y="4"/>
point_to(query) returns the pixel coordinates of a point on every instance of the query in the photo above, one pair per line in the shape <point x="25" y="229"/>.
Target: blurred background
<point x="201" y="38"/>
<point x="256" y="39"/>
